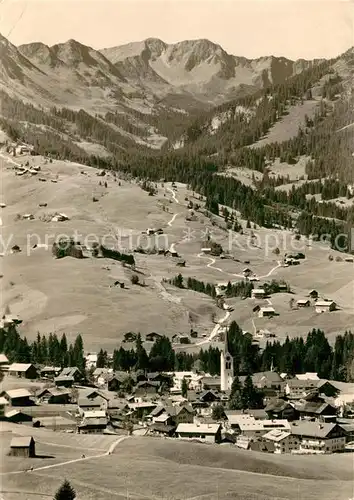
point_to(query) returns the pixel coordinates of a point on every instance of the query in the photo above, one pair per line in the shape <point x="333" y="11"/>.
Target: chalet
<point x="18" y="397"/>
<point x="253" y="428"/>
<point x="158" y="429"/>
<point x="181" y="339"/>
<point x="267" y="380"/>
<point x="283" y="287"/>
<point x="23" y="370"/>
<point x="283" y="441"/>
<point x="90" y="400"/>
<point x="315" y="410"/>
<point x="325" y="306"/>
<point x="172" y="415"/>
<point x="17" y="417"/>
<point x="115" y="380"/>
<point x="146" y="387"/>
<point x="72" y="371"/>
<point x="54" y="395"/>
<point x="303" y="303"/>
<point x="209" y="433"/>
<point x="151" y="337"/>
<point x="297" y="389"/>
<point x="142" y="409"/>
<point x="318" y="437"/>
<point x="313" y="294"/>
<point x="247" y="272"/>
<point x="280" y="409"/>
<point x="93" y="422"/>
<point x="64" y="381"/>
<point x="50" y="371"/>
<point x="23" y="446"/>
<point x="266" y="312"/>
<point x="258" y="293"/>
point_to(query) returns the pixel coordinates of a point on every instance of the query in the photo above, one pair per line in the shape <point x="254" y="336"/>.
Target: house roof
<point x="64" y="378"/>
<point x="276" y="405"/>
<point x="276" y="435"/>
<point x="264" y="377"/>
<point x="18" y="393"/>
<point x="83" y="401"/>
<point x="12" y="413"/>
<point x="267" y="309"/>
<point x="166" y="429"/>
<point x="21" y="441"/>
<point x="302" y="301"/>
<point x="316" y="407"/>
<point x="94" y="422"/>
<point x="94" y="414"/>
<point x="69" y="371"/>
<point x="305" y="384"/>
<point x="19" y="367"/>
<point x="50" y="369"/>
<point x="311" y="429"/>
<point x="263" y="425"/>
<point x="3" y="401"/>
<point x="324" y="303"/>
<point x="258" y="290"/>
<point x="198" y="428"/>
<point x="211" y="380"/>
<point x="307" y="376"/>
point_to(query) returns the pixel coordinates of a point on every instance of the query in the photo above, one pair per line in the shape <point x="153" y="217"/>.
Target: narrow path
<point x="173" y="195"/>
<point x="51" y="466"/>
<point x="172" y="220"/>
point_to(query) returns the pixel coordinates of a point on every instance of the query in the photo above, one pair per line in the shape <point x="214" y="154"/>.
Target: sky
<point x="250" y="28"/>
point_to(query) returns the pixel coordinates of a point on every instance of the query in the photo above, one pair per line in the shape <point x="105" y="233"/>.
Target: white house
<point x="283" y="441"/>
<point x="325" y="306"/>
<point x="208" y="433"/>
<point x="266" y="312"/>
<point x="258" y="293"/>
<point x="318" y="438"/>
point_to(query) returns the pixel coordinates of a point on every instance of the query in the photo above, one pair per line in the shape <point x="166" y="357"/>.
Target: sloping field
<point x="288" y="126"/>
<point x="159" y="469"/>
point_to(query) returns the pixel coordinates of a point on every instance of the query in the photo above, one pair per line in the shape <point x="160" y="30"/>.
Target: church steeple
<point x="226" y="366"/>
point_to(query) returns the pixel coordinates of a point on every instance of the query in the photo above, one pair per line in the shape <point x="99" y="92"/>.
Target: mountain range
<point x="139" y="81"/>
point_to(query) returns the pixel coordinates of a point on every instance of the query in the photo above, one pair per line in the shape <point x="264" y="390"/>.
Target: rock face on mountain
<point x="191" y="72"/>
<point x="199" y="67"/>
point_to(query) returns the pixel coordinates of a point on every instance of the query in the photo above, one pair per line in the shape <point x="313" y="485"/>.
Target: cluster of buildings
<point x="301" y="414"/>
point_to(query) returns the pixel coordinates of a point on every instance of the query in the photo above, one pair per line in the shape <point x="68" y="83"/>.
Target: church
<point x="226" y="367"/>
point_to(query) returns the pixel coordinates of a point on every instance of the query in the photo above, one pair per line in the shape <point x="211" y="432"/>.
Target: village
<point x="297" y="415"/>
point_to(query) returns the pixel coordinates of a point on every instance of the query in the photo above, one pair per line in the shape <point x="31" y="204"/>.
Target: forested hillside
<point x="208" y="149"/>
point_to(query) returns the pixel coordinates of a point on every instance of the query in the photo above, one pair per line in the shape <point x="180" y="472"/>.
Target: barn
<point x="23" y="446"/>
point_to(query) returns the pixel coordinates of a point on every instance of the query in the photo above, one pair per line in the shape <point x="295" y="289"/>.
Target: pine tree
<point x="184" y="387"/>
<point x="65" y="492"/>
<point x="78" y="353"/>
<point x="142" y="362"/>
<point x="235" y="401"/>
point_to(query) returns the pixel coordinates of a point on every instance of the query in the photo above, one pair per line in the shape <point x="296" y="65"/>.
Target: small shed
<point x="266" y="312"/>
<point x="258" y="293"/>
<point x="325" y="306"/>
<point x="303" y="303"/>
<point x="23" y="446"/>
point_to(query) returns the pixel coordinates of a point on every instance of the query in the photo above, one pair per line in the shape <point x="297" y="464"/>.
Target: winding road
<point x="210" y="265"/>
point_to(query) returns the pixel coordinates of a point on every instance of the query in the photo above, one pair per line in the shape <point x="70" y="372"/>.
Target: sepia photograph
<point x="177" y="250"/>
